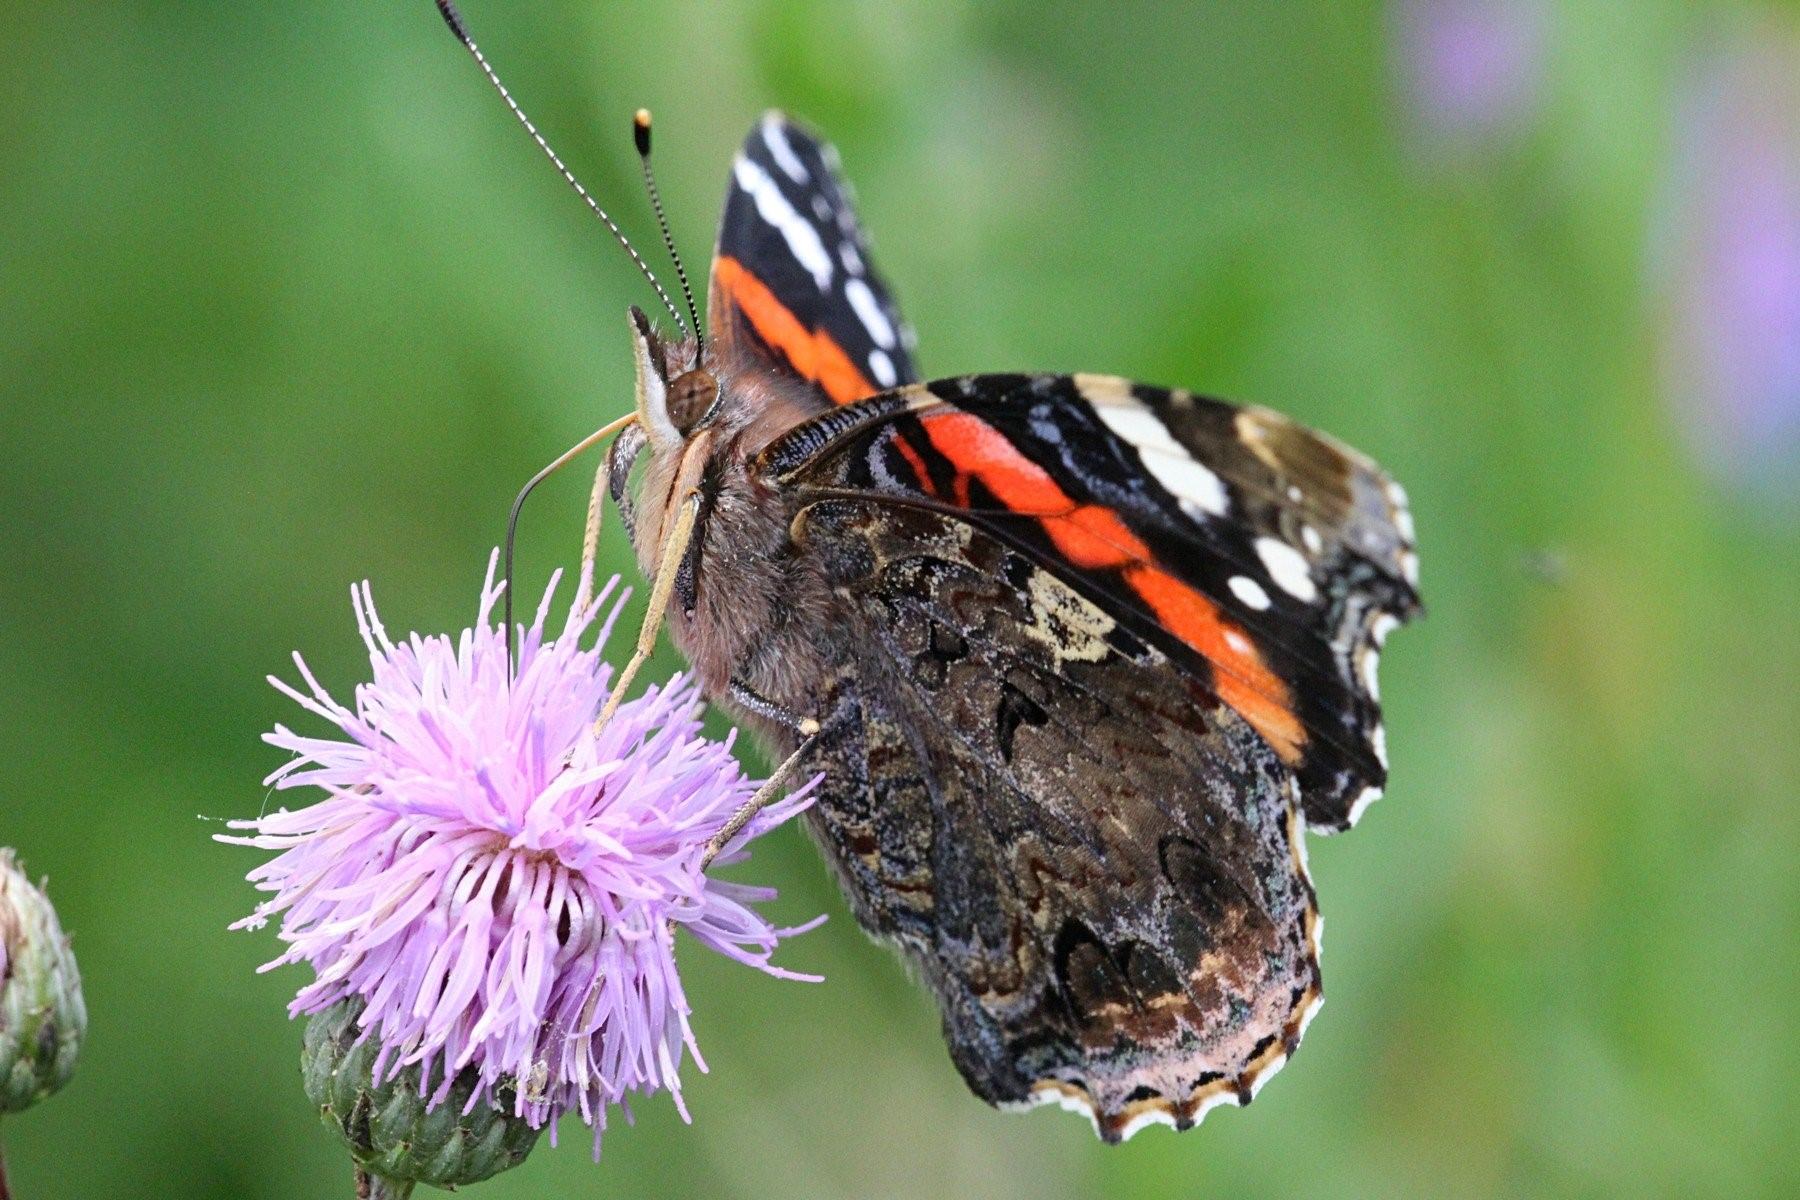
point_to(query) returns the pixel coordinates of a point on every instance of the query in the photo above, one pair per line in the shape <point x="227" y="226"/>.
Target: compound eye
<point x="691" y="397"/>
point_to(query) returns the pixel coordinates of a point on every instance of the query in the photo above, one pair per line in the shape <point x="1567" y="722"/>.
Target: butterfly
<point x="1079" y="659"/>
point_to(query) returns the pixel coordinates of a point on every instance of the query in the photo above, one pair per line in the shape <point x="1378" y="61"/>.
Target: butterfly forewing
<point x="1264" y="559"/>
<point x="794" y="285"/>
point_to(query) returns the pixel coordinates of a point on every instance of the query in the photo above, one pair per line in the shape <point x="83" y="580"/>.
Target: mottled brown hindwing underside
<point x="1095" y="862"/>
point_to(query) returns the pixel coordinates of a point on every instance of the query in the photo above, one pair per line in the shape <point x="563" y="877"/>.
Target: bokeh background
<point x="286" y="300"/>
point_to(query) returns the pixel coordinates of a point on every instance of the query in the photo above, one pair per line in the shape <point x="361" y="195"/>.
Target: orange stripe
<point x="1241" y="678"/>
<point x="1088" y="535"/>
<point x="812" y="353"/>
<point x="917" y="462"/>
<point x="1093" y="537"/>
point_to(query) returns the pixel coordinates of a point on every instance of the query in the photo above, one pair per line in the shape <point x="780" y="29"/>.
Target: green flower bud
<point x="387" y="1126"/>
<point x="42" y="1016"/>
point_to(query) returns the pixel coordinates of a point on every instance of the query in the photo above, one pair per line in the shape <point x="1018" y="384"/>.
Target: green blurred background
<point x="286" y="301"/>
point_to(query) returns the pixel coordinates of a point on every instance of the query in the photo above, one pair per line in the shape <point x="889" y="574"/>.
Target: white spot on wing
<point x="1367" y="667"/>
<point x="868" y="311"/>
<point x="883" y="368"/>
<point x="775" y="138"/>
<point x="1139" y="426"/>
<point x="1378" y="740"/>
<point x="1314" y="543"/>
<point x="853" y="262"/>
<point x="1403" y="521"/>
<point x="1288" y="568"/>
<point x="802" y="239"/>
<point x="1162" y="456"/>
<point x="1360" y="805"/>
<point x="1249" y="591"/>
<point x="1381" y="626"/>
<point x="1196" y="486"/>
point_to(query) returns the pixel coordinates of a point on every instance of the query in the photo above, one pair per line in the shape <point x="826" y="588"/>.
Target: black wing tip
<point x="795" y="128"/>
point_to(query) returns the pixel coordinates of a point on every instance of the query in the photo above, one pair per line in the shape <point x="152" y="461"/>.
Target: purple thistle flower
<point x="500" y="885"/>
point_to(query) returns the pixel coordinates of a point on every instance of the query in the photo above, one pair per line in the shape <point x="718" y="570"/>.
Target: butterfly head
<point x="677" y="396"/>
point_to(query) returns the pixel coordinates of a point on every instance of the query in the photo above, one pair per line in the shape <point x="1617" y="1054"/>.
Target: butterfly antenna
<point x="453" y="18"/>
<point x="640" y="128"/>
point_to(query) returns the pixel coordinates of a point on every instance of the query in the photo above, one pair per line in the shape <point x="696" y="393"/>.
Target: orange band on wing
<point x="1242" y="679"/>
<point x="1092" y="536"/>
<point x="812" y="354"/>
<point x="916" y="461"/>
<point x="1088" y="535"/>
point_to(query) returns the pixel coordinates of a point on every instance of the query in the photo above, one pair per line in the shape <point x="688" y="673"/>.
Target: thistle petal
<point x="496" y="885"/>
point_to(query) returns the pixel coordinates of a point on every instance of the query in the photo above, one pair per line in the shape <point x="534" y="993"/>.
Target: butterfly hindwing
<point x="793" y="285"/>
<point x="1267" y="561"/>
<point x="1095" y="864"/>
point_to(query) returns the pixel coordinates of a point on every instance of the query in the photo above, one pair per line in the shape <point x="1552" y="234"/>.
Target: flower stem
<point x="370" y="1187"/>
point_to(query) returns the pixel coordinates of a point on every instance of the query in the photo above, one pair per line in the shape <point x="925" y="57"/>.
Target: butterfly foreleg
<point x="810" y="732"/>
<point x="675" y="534"/>
<point x="756" y="704"/>
<point x="675" y="544"/>
<point x="590" y="538"/>
<point x="771" y="790"/>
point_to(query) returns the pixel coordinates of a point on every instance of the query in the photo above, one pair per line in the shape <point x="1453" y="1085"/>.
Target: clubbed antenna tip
<point x="640" y="130"/>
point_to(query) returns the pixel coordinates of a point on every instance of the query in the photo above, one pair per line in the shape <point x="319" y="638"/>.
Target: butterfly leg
<point x="810" y="732"/>
<point x="675" y="545"/>
<point x="754" y="702"/>
<point x="590" y="538"/>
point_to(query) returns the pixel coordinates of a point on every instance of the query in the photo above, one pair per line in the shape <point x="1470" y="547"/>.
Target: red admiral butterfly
<point x="1080" y="659"/>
